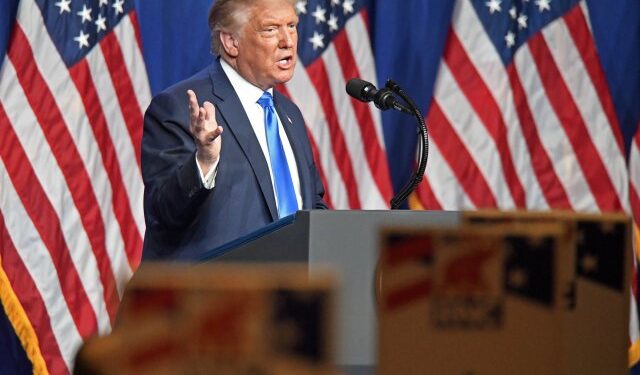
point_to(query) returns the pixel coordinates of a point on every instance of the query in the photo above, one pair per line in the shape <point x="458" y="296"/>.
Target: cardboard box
<point x="597" y="338"/>
<point x="222" y="319"/>
<point x="475" y="300"/>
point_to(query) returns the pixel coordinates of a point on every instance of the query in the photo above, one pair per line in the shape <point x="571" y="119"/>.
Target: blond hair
<point x="229" y="16"/>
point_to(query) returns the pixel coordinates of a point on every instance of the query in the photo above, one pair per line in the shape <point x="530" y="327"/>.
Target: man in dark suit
<point x="204" y="188"/>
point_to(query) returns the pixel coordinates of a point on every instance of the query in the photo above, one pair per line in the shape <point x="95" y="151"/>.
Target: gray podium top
<point x="348" y="241"/>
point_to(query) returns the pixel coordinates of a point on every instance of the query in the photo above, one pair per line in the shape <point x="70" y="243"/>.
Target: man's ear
<point x="229" y="43"/>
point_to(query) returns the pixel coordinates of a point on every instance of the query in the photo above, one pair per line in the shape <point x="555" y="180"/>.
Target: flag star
<point x="589" y="263"/>
<point x="64" y="6"/>
<point x="494" y="6"/>
<point x="82" y="39"/>
<point x="319" y="14"/>
<point x="101" y="23"/>
<point x="316" y="40"/>
<point x="118" y="6"/>
<point x="103" y="2"/>
<point x="333" y="22"/>
<point x="85" y="13"/>
<point x="522" y="21"/>
<point x="335" y="2"/>
<point x="543" y="5"/>
<point x="510" y="38"/>
<point x="347" y="6"/>
<point x="301" y="7"/>
<point x="513" y="12"/>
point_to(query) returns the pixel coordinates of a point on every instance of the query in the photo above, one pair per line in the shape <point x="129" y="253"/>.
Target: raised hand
<point x="205" y="131"/>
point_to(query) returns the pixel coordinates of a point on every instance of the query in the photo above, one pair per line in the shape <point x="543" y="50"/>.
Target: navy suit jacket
<point x="183" y="218"/>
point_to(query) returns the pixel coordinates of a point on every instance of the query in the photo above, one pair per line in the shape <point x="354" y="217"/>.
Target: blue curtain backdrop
<point x="408" y="38"/>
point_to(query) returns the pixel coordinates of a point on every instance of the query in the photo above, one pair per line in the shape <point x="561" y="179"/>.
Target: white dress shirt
<point x="249" y="95"/>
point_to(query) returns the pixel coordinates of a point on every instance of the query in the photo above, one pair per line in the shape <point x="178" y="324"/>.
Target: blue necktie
<point x="285" y="194"/>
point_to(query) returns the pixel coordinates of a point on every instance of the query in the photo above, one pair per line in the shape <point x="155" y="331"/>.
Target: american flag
<point x="529" y="74"/>
<point x="346" y="135"/>
<point x="522" y="118"/>
<point x="73" y="87"/>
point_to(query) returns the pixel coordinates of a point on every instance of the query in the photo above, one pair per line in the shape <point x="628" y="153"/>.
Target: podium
<point x="594" y="294"/>
<point x="348" y="241"/>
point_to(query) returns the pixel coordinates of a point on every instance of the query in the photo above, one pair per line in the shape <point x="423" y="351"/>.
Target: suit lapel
<point x="230" y="108"/>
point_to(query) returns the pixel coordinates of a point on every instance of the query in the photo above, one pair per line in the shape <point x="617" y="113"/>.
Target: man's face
<point x="267" y="44"/>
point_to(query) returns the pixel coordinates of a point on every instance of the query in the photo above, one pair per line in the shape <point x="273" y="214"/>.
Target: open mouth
<point x="285" y="62"/>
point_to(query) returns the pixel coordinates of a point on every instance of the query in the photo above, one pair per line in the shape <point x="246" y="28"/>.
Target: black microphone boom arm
<point x="385" y="99"/>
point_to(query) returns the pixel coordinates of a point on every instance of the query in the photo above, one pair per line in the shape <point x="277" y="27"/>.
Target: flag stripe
<point x="320" y="79"/>
<point x="573" y="124"/>
<point x="634" y="176"/>
<point x="572" y="69"/>
<point x="579" y="29"/>
<point x="301" y="89"/>
<point x="554" y="192"/>
<point x="71" y="196"/>
<point x="358" y="40"/>
<point x="352" y="136"/>
<point x="375" y="154"/>
<point x="119" y="134"/>
<point x="635" y="203"/>
<point x="132" y="241"/>
<point x="137" y="73"/>
<point x="44" y="217"/>
<point x="473" y="135"/>
<point x="136" y="29"/>
<point x="554" y="139"/>
<point x="459" y="159"/>
<point x="33" y="252"/>
<point x="47" y="112"/>
<point x="60" y="82"/>
<point x="484" y="57"/>
<point x="448" y="191"/>
<point x="347" y="135"/>
<point x="27" y="293"/>
<point x="33" y="249"/>
<point x="124" y="90"/>
<point x="477" y="141"/>
<point x="486" y="108"/>
<point x="134" y="60"/>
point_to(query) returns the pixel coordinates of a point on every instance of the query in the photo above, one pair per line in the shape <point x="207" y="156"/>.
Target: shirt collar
<point x="246" y="91"/>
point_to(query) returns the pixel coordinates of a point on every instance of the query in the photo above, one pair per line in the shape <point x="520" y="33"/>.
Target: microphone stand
<point x="423" y="150"/>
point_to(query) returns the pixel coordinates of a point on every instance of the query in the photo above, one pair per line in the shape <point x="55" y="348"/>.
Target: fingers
<point x="205" y="113"/>
<point x="201" y="116"/>
<point x="214" y="134"/>
<point x="204" y="126"/>
<point x="210" y="111"/>
<point x="193" y="105"/>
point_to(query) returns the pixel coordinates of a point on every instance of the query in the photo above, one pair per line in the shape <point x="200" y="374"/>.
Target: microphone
<point x="367" y="92"/>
